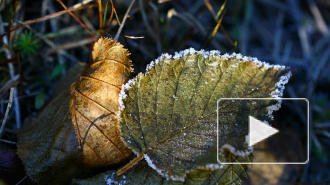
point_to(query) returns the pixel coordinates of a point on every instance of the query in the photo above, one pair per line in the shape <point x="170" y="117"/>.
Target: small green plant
<point x="27" y="44"/>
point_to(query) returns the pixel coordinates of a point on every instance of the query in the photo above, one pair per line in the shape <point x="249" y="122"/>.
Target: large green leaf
<point x="169" y="114"/>
<point x="143" y="174"/>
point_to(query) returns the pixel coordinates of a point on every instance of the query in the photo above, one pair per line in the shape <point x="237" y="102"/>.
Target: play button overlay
<point x="270" y="130"/>
<point x="259" y="131"/>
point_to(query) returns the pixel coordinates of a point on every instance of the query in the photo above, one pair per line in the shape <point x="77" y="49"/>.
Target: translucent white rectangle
<point x="307" y="144"/>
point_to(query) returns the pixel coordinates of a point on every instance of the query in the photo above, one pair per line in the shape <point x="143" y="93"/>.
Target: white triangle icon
<point x="259" y="131"/>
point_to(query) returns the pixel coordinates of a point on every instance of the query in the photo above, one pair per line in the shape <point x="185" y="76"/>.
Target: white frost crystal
<point x="214" y="53"/>
<point x="123" y="95"/>
<point x="236" y="152"/>
<point x="161" y="172"/>
<point x="110" y="180"/>
<point x="278" y="92"/>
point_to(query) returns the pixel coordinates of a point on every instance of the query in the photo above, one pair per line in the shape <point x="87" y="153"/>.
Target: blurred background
<point x="287" y="32"/>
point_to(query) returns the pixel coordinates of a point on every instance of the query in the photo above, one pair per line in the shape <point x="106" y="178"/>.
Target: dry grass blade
<point x="145" y="21"/>
<point x="71" y="45"/>
<point x="163" y="1"/>
<point x="77" y="19"/>
<point x="81" y="3"/>
<point x="124" y="19"/>
<point x="318" y="17"/>
<point x="100" y="14"/>
<point x="234" y="44"/>
<point x="112" y="12"/>
<point x="22" y="180"/>
<point x="133" y="37"/>
<point x="12" y="82"/>
<point x="115" y="12"/>
<point x="209" y="6"/>
<point x="10" y="102"/>
<point x="221" y="10"/>
<point x="4" y="40"/>
<point x="47" y="17"/>
<point x="215" y="29"/>
<point x="6" y="141"/>
<point x="12" y="15"/>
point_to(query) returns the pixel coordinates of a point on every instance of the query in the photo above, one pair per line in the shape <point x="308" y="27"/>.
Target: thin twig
<point x="145" y="21"/>
<point x="320" y="23"/>
<point x="100" y="14"/>
<point x="12" y="75"/>
<point x="209" y="6"/>
<point x="69" y="45"/>
<point x="21" y="180"/>
<point x="11" y="96"/>
<point x="9" y="142"/>
<point x="124" y="20"/>
<point x="111" y="15"/>
<point x="117" y="18"/>
<point x="156" y="26"/>
<point x="12" y="16"/>
<point x="216" y="28"/>
<point x="12" y="82"/>
<point x="43" y="13"/>
<point x="77" y="19"/>
<point x="48" y="17"/>
<point x="84" y="2"/>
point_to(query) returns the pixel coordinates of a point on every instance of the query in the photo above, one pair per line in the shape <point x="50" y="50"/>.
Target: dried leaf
<point x="143" y="174"/>
<point x="79" y="128"/>
<point x="95" y="104"/>
<point x="48" y="145"/>
<point x="168" y="115"/>
<point x="70" y="77"/>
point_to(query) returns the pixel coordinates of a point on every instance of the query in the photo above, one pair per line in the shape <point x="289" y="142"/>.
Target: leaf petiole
<point x="129" y="165"/>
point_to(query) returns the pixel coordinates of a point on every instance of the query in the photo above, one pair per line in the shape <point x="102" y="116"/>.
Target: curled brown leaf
<point x="95" y="104"/>
<point x="78" y="130"/>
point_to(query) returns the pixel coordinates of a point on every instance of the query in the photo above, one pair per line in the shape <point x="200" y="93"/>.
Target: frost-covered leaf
<point x="95" y="104"/>
<point x="142" y="174"/>
<point x="168" y="115"/>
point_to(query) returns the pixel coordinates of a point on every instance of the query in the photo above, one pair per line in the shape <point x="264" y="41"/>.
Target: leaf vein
<point x="92" y="78"/>
<point x="95" y="102"/>
<point x="93" y="124"/>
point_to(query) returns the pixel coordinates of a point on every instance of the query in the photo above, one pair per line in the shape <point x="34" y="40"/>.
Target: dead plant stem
<point x="12" y="90"/>
<point x="124" y="20"/>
